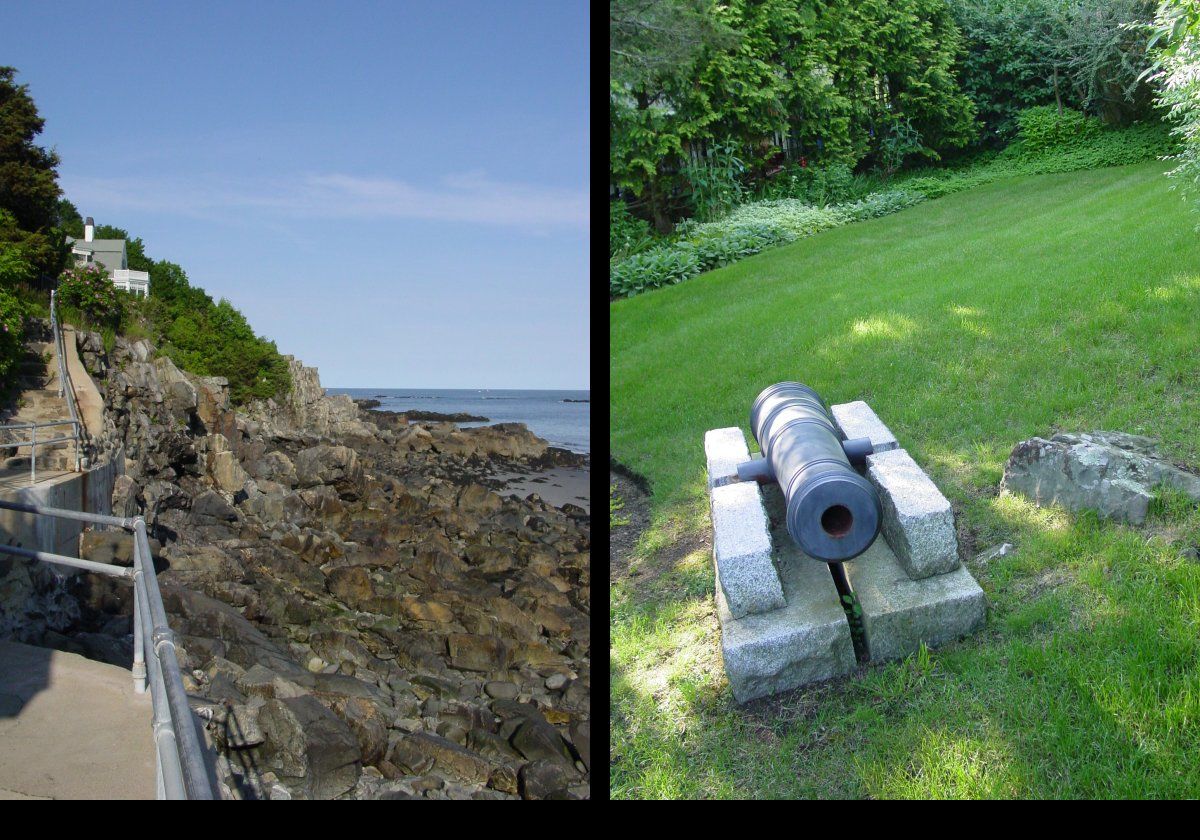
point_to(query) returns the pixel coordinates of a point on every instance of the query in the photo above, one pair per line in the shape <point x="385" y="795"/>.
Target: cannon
<point x="833" y="513"/>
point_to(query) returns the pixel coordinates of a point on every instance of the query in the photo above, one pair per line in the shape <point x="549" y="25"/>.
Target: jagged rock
<point x="581" y="738"/>
<point x="112" y="547"/>
<point x="161" y="496"/>
<point x="538" y="739"/>
<point x="125" y="496"/>
<point x="210" y="508"/>
<point x="544" y="779"/>
<point x="1113" y="473"/>
<point x="275" y="466"/>
<point x="239" y="727"/>
<point x="478" y="499"/>
<point x="420" y="752"/>
<point x="221" y="464"/>
<point x="333" y="465"/>
<point x="312" y="554"/>
<point x="477" y="653"/>
<point x="309" y="747"/>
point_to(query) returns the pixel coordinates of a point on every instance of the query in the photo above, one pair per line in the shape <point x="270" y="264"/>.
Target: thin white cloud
<point x="469" y="197"/>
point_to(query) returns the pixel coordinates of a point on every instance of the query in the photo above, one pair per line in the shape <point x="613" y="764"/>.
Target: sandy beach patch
<point x="557" y="485"/>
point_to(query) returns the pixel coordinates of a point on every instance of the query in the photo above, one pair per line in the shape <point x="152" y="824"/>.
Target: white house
<point x="109" y="254"/>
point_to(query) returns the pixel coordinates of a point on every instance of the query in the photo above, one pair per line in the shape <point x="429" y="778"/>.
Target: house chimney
<point x="89" y="229"/>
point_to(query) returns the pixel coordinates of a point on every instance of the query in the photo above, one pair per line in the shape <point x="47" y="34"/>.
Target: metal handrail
<point x="65" y="389"/>
<point x="65" y="386"/>
<point x="180" y="758"/>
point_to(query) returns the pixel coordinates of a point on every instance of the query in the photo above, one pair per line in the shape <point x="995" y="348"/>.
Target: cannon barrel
<point x="833" y="513"/>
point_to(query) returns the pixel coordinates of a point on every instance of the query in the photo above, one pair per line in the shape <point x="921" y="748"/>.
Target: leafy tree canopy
<point x="29" y="190"/>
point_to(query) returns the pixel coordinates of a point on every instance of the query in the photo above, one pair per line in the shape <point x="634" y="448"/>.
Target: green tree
<point x="1088" y="55"/>
<point x="653" y="46"/>
<point x="29" y="190"/>
<point x="1175" y="35"/>
<point x="832" y="75"/>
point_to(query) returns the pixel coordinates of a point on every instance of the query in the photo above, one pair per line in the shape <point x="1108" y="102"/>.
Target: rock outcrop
<point x="1113" y="473"/>
<point x="358" y="614"/>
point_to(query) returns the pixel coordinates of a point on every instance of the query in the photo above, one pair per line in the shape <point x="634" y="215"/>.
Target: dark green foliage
<point x="29" y="191"/>
<point x="207" y="338"/>
<point x="670" y="264"/>
<point x="69" y="220"/>
<point x="1082" y="54"/>
<point x="217" y="341"/>
<point x="716" y="182"/>
<point x="1046" y="127"/>
<point x="816" y="185"/>
<point x="627" y="234"/>
<point x="1176" y="73"/>
<point x="830" y="75"/>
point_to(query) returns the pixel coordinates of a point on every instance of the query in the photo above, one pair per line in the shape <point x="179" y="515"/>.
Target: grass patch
<point x="1057" y="302"/>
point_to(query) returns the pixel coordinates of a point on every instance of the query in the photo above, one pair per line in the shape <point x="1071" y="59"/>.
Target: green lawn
<point x="1057" y="302"/>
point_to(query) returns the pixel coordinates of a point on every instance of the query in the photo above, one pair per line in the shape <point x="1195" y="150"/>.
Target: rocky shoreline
<point x="359" y="614"/>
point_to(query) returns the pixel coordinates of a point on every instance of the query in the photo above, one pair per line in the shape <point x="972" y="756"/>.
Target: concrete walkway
<point x="87" y="395"/>
<point x="71" y="728"/>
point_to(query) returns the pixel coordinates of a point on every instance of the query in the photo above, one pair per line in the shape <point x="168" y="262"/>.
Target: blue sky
<point x="395" y="192"/>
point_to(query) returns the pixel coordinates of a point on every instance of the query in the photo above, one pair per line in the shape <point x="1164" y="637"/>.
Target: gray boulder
<point x="334" y="465"/>
<point x="309" y="746"/>
<point x="1113" y="473"/>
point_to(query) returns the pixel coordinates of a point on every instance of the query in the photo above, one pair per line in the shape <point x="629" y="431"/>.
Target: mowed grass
<point x="1059" y="302"/>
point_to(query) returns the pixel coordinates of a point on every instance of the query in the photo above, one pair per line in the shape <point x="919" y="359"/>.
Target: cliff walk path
<point x="39" y="401"/>
<point x="70" y="727"/>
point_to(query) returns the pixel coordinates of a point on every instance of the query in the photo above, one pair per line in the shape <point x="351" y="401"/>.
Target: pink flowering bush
<point x="88" y="289"/>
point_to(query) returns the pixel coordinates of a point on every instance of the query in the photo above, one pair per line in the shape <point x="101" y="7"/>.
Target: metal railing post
<point x="33" y="457"/>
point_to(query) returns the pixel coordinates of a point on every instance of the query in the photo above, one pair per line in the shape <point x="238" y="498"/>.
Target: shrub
<point x="14" y="268"/>
<point x="818" y="185"/>
<point x="670" y="264"/>
<point x="788" y="216"/>
<point x="716" y="182"/>
<point x="1042" y="127"/>
<point x="12" y="333"/>
<point x="89" y="289"/>
<point x="654" y="268"/>
<point x="880" y="204"/>
<point x="627" y="234"/>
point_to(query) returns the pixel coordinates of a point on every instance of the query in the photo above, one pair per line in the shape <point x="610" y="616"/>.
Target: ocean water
<point x="562" y="424"/>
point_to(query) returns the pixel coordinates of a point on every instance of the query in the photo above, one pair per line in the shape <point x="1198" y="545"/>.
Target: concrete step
<point x="35" y="381"/>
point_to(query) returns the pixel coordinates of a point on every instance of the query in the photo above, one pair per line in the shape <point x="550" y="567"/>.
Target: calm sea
<point x="563" y="424"/>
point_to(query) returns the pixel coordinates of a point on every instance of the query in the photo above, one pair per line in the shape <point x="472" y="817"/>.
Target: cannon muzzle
<point x="833" y="513"/>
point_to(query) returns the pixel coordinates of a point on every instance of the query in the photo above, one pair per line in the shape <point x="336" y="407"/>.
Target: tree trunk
<point x="658" y="209"/>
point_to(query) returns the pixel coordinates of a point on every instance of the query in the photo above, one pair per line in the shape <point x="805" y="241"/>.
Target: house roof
<point x="114" y="249"/>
